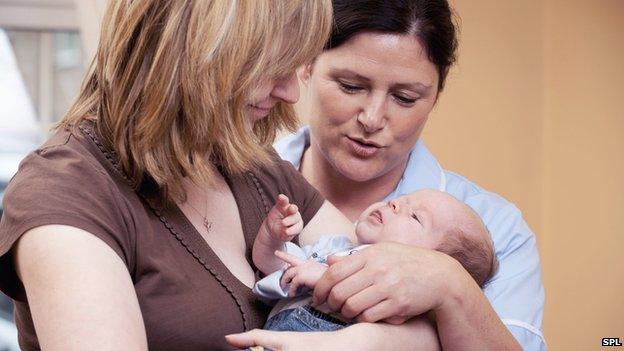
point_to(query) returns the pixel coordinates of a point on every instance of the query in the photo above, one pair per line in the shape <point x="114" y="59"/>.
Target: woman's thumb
<point x="255" y="337"/>
<point x="335" y="259"/>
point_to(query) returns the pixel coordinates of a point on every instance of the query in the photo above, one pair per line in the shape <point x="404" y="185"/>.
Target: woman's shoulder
<point x="502" y="218"/>
<point x="469" y="191"/>
<point x="493" y="208"/>
<point x="66" y="156"/>
<point x="65" y="182"/>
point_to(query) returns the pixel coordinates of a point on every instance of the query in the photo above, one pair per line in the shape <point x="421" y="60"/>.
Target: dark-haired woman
<point x="370" y="94"/>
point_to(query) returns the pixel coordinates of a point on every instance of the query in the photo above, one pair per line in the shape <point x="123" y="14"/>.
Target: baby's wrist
<point x="266" y="238"/>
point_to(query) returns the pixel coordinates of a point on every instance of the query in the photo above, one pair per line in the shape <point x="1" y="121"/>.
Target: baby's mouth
<point x="377" y="216"/>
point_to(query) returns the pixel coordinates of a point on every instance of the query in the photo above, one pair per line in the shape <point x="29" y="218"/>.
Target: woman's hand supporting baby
<point x="388" y="281"/>
<point x="282" y="224"/>
<point x="393" y="282"/>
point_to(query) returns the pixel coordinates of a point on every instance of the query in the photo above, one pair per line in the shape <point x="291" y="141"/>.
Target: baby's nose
<point x="393" y="205"/>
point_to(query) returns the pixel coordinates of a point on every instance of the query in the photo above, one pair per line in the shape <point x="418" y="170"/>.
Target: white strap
<point x="442" y="186"/>
<point x="524" y="325"/>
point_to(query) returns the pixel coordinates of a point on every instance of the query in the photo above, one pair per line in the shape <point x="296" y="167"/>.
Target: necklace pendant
<point x="207" y="225"/>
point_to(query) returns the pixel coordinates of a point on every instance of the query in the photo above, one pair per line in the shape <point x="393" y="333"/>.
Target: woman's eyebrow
<point x="417" y="86"/>
<point x="351" y="74"/>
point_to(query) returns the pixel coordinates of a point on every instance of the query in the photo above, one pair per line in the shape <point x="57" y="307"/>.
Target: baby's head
<point x="434" y="220"/>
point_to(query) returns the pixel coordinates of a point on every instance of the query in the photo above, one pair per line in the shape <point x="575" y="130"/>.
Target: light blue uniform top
<point x="516" y="291"/>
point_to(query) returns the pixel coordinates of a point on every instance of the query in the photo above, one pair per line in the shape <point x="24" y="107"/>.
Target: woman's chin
<point x="360" y="171"/>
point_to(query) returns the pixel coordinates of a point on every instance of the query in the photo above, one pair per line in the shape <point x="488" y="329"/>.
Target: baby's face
<point x="422" y="219"/>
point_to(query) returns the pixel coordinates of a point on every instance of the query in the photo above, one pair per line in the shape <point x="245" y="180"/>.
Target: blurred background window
<point x="42" y="64"/>
<point x="41" y="72"/>
<point x="51" y="67"/>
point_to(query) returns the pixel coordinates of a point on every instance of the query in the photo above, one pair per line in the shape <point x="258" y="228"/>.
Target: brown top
<point x="188" y="298"/>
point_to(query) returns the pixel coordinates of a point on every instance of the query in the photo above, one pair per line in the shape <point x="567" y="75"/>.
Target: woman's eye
<point x="415" y="217"/>
<point x="404" y="100"/>
<point x="349" y="88"/>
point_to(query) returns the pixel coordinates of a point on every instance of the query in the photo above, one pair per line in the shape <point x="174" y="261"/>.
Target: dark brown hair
<point x="476" y="256"/>
<point x="431" y="21"/>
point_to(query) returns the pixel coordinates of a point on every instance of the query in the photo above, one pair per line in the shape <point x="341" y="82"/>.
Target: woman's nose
<point x="373" y="116"/>
<point x="286" y="89"/>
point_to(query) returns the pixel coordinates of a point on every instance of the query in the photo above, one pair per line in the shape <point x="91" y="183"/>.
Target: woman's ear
<point x="304" y="73"/>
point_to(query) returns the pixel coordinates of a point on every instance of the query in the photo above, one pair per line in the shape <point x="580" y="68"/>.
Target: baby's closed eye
<point x="415" y="217"/>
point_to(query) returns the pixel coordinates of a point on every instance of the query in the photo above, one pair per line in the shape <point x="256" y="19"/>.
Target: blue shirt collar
<point x="422" y="172"/>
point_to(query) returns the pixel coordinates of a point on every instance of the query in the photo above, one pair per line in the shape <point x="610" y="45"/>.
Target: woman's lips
<point x="361" y="148"/>
<point x="260" y="111"/>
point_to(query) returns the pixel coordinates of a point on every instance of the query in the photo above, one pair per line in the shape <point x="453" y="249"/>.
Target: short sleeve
<point x="62" y="184"/>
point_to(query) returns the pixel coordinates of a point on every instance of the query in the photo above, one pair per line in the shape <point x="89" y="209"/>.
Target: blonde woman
<point x="131" y="227"/>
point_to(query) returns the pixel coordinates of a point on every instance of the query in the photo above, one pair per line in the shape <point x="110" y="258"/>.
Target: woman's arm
<point x="389" y="280"/>
<point x="328" y="220"/>
<point x="417" y="334"/>
<point x="79" y="291"/>
<point x="467" y="321"/>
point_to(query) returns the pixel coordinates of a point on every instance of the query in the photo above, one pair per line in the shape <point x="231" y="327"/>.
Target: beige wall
<point x="583" y="202"/>
<point x="488" y="123"/>
<point x="535" y="111"/>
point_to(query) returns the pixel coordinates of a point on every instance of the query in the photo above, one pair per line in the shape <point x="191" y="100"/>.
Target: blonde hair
<point x="170" y="81"/>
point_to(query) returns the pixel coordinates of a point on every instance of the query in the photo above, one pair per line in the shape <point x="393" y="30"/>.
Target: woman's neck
<point x="349" y="196"/>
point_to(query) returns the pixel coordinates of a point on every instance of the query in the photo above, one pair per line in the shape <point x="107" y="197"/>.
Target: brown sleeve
<point x="61" y="184"/>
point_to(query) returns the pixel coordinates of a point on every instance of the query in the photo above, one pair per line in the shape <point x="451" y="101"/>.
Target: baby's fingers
<point x="294" y="286"/>
<point x="292" y="210"/>
<point x="288" y="258"/>
<point x="288" y="276"/>
<point x="292" y="232"/>
<point x="283" y="204"/>
<point x="291" y="220"/>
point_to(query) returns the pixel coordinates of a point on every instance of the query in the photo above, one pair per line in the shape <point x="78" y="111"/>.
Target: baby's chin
<point x="362" y="238"/>
<point x="358" y="232"/>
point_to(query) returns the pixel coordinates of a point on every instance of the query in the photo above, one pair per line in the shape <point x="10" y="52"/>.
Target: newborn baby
<point x="427" y="218"/>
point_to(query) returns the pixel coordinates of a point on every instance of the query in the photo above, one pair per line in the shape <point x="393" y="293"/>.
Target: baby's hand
<point x="284" y="220"/>
<point x="300" y="273"/>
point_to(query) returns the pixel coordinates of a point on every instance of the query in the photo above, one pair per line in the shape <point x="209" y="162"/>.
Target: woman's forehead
<point x="398" y="58"/>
